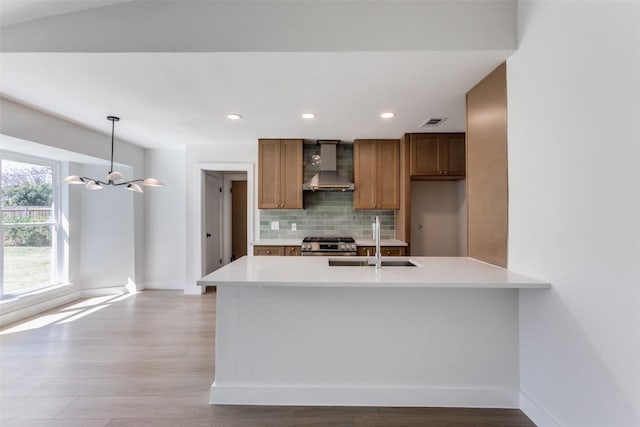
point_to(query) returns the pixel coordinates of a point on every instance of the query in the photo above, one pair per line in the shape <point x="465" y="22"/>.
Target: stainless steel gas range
<point x="334" y="246"/>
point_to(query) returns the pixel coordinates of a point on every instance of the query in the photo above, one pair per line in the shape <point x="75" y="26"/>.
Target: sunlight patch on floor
<point x="69" y="313"/>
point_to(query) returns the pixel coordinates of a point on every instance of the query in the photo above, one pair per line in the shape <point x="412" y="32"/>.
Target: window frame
<point x="57" y="242"/>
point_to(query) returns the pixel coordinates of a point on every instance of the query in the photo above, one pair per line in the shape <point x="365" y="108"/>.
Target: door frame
<point x="194" y="262"/>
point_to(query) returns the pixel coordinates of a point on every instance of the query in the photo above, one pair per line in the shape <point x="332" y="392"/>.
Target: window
<point x="30" y="223"/>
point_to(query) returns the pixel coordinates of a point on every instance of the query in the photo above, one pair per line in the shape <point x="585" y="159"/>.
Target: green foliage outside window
<point x="27" y="236"/>
<point x="27" y="194"/>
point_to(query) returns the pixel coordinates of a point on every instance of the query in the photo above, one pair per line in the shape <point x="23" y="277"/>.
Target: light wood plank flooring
<point x="147" y="360"/>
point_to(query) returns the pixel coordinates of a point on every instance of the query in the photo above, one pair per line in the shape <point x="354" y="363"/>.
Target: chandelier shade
<point x="113" y="178"/>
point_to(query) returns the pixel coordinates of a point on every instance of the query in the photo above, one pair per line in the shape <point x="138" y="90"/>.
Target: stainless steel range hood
<point x="327" y="179"/>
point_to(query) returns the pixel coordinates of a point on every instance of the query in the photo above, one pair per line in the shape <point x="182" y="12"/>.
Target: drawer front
<point x="392" y="251"/>
<point x="292" y="250"/>
<point x="268" y="250"/>
<point x="384" y="250"/>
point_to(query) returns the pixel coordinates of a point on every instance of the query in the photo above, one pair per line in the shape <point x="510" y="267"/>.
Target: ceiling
<point x="178" y="98"/>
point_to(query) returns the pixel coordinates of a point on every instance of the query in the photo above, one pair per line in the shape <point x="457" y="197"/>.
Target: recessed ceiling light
<point x="308" y="116"/>
<point x="234" y="116"/>
<point x="387" y="115"/>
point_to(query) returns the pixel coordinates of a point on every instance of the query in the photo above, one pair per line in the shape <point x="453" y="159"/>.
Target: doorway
<point x="224" y="213"/>
<point x="196" y="227"/>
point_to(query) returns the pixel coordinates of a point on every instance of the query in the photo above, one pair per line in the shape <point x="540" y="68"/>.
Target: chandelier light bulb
<point x="116" y="177"/>
<point x="152" y="182"/>
<point x="93" y="185"/>
<point x="135" y="188"/>
<point x="73" y="179"/>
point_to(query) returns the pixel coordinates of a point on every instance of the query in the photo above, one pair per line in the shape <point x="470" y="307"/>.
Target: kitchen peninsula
<point x="298" y="331"/>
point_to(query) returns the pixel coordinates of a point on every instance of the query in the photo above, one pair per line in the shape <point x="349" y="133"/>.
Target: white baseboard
<point x="535" y="412"/>
<point x="364" y="396"/>
<point x="99" y="292"/>
<point x="167" y="285"/>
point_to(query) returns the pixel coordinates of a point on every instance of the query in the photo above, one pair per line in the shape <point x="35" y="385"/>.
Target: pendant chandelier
<point x="113" y="178"/>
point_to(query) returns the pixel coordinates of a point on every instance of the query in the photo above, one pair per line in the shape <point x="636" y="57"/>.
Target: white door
<point x="213" y="223"/>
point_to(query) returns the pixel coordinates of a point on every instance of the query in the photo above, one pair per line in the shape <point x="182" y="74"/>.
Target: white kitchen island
<point x="296" y="331"/>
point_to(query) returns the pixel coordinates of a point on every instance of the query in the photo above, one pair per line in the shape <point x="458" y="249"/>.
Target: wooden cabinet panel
<point x="276" y="250"/>
<point x="424" y="154"/>
<point x="438" y="155"/>
<point x="292" y="250"/>
<point x="291" y="164"/>
<point x="269" y="173"/>
<point x="364" y="172"/>
<point x="376" y="167"/>
<point x="268" y="250"/>
<point x="454" y="152"/>
<point x="388" y="176"/>
<point x="384" y="250"/>
<point x="280" y="174"/>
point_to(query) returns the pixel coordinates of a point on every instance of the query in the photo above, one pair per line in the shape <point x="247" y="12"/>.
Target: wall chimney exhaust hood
<point x="327" y="179"/>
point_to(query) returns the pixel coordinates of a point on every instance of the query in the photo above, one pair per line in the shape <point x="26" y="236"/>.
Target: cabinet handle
<point x="268" y="252"/>
<point x="446" y="172"/>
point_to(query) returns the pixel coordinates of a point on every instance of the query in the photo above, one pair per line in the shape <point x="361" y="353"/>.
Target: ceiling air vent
<point x="432" y="122"/>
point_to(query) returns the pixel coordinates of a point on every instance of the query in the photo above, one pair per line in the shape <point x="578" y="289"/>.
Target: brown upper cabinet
<point x="376" y="170"/>
<point x="280" y="173"/>
<point x="437" y="155"/>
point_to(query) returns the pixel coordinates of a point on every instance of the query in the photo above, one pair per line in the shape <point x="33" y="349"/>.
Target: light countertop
<point x="314" y="271"/>
<point x="298" y="242"/>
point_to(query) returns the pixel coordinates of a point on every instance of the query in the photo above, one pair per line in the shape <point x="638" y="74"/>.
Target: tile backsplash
<point x="326" y="213"/>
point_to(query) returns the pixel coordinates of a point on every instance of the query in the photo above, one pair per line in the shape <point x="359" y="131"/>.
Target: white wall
<point x="165" y="240"/>
<point x="574" y="211"/>
<point x="107" y="239"/>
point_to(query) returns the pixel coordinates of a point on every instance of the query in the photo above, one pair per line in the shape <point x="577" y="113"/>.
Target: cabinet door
<point x="269" y="173"/>
<point x="424" y="154"/>
<point x="452" y="155"/>
<point x="292" y="250"/>
<point x="365" y="163"/>
<point x="388" y="174"/>
<point x="291" y="164"/>
<point x="268" y="250"/>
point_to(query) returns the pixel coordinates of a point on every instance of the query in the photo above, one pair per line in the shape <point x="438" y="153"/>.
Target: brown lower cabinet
<point x="384" y="250"/>
<point x="276" y="250"/>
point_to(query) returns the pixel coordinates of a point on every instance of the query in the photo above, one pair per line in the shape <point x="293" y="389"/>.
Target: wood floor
<point x="147" y="360"/>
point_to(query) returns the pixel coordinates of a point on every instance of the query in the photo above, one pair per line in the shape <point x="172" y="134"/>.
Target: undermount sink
<point x="363" y="262"/>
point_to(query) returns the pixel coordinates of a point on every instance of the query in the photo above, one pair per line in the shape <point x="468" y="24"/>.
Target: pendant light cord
<point x="113" y="123"/>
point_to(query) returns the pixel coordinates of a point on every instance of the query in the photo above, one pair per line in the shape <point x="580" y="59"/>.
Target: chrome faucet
<point x="376" y="236"/>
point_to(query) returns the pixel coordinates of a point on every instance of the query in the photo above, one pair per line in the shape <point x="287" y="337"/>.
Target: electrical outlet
<point x="294" y="227"/>
<point x="275" y="225"/>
